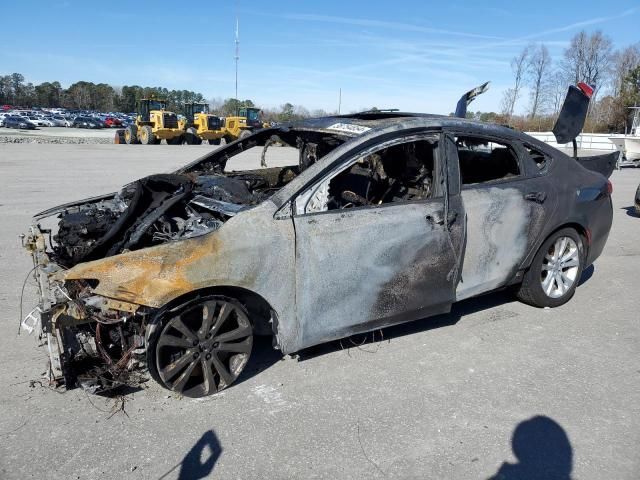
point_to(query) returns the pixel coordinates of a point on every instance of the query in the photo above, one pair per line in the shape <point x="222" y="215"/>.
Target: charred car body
<point x="386" y="218"/>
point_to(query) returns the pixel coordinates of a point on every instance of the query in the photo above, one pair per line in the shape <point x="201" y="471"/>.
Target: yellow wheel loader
<point x="247" y="121"/>
<point x="200" y="126"/>
<point x="153" y="124"/>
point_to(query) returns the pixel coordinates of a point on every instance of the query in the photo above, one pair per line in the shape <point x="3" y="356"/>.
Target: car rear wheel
<point x="555" y="271"/>
<point x="200" y="347"/>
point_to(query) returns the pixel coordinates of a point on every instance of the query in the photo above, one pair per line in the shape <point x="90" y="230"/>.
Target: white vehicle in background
<point x="61" y="121"/>
<point x="56" y="121"/>
<point x="47" y="122"/>
<point x="629" y="144"/>
<point x="38" y="121"/>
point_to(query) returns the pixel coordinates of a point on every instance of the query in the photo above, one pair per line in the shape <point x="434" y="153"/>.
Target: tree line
<point x="87" y="95"/>
<point x="286" y="112"/>
<point x="82" y="95"/>
<point x="589" y="58"/>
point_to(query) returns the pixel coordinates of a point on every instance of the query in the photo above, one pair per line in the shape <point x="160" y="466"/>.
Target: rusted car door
<point x="361" y="268"/>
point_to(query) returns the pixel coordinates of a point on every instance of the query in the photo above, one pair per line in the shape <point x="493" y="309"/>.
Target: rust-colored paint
<point x="151" y="276"/>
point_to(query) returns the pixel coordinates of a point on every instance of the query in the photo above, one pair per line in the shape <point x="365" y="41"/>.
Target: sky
<point x="415" y="55"/>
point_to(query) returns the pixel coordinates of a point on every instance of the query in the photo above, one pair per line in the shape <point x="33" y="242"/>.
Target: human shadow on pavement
<point x="543" y="451"/>
<point x="193" y="466"/>
<point x="200" y="459"/>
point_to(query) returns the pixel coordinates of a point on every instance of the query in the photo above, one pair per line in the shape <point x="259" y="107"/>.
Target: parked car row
<point x="30" y="119"/>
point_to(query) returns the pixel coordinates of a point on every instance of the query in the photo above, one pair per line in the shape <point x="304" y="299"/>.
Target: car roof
<point x="355" y="124"/>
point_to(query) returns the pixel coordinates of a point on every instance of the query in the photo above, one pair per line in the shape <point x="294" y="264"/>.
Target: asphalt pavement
<point x="455" y="396"/>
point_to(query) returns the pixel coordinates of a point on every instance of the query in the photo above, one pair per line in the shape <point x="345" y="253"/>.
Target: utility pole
<point x="339" y="100"/>
<point x="237" y="57"/>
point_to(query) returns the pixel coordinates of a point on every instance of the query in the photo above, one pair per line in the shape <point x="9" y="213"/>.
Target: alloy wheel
<point x="204" y="348"/>
<point x="560" y="267"/>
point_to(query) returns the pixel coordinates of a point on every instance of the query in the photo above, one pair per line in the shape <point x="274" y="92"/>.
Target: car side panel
<point x="503" y="225"/>
<point x="252" y="250"/>
<point x="498" y="222"/>
<point x="360" y="269"/>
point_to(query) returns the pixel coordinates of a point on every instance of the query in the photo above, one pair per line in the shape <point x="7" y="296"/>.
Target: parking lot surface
<point x="436" y="398"/>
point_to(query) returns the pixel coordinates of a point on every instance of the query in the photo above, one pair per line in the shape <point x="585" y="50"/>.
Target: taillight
<point x="609" y="187"/>
<point x="586" y="89"/>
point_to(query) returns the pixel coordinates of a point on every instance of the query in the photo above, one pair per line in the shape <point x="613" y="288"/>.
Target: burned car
<point x="387" y="217"/>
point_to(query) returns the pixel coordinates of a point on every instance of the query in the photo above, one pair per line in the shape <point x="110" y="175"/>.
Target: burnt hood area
<point x="155" y="210"/>
<point x="167" y="207"/>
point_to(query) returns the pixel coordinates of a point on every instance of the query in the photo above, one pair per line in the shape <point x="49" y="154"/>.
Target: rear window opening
<point x="537" y="156"/>
<point x="482" y="160"/>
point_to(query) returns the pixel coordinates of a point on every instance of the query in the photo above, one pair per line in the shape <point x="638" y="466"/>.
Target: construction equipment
<point x="243" y="125"/>
<point x="153" y="123"/>
<point x="199" y="125"/>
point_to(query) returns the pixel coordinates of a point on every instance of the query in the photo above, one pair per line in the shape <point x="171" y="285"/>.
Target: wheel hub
<point x="204" y="348"/>
<point x="560" y="267"/>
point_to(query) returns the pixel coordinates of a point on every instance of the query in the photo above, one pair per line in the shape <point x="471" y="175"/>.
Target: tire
<point x="214" y="141"/>
<point x="244" y="134"/>
<point x="146" y="136"/>
<point x="182" y="347"/>
<point x="191" y="137"/>
<point x="119" y="137"/>
<point x="131" y="135"/>
<point x="555" y="271"/>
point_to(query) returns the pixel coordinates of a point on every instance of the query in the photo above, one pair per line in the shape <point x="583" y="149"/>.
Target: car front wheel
<point x="200" y="347"/>
<point x="555" y="271"/>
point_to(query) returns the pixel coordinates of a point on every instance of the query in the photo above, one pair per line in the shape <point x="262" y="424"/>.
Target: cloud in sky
<point x="413" y="56"/>
<point x="363" y="22"/>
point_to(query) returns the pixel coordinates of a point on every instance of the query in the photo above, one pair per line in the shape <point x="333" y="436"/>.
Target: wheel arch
<point x="573" y="224"/>
<point x="261" y="313"/>
<point x="582" y="231"/>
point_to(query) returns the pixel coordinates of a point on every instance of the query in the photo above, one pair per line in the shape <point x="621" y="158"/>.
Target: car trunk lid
<point x="570" y="123"/>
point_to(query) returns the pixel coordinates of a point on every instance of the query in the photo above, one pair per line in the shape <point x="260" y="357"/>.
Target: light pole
<point x="237" y="57"/>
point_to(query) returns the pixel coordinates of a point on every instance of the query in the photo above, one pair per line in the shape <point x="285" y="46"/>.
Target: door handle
<point x="538" y="197"/>
<point x="439" y="219"/>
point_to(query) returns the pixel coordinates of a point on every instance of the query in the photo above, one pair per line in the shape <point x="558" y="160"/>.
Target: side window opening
<point x="397" y="173"/>
<point x="542" y="160"/>
<point x="483" y="160"/>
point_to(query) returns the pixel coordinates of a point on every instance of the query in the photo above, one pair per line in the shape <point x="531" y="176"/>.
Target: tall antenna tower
<point x="237" y="57"/>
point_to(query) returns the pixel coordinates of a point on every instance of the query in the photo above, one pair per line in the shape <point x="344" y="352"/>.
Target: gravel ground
<point x="437" y="398"/>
